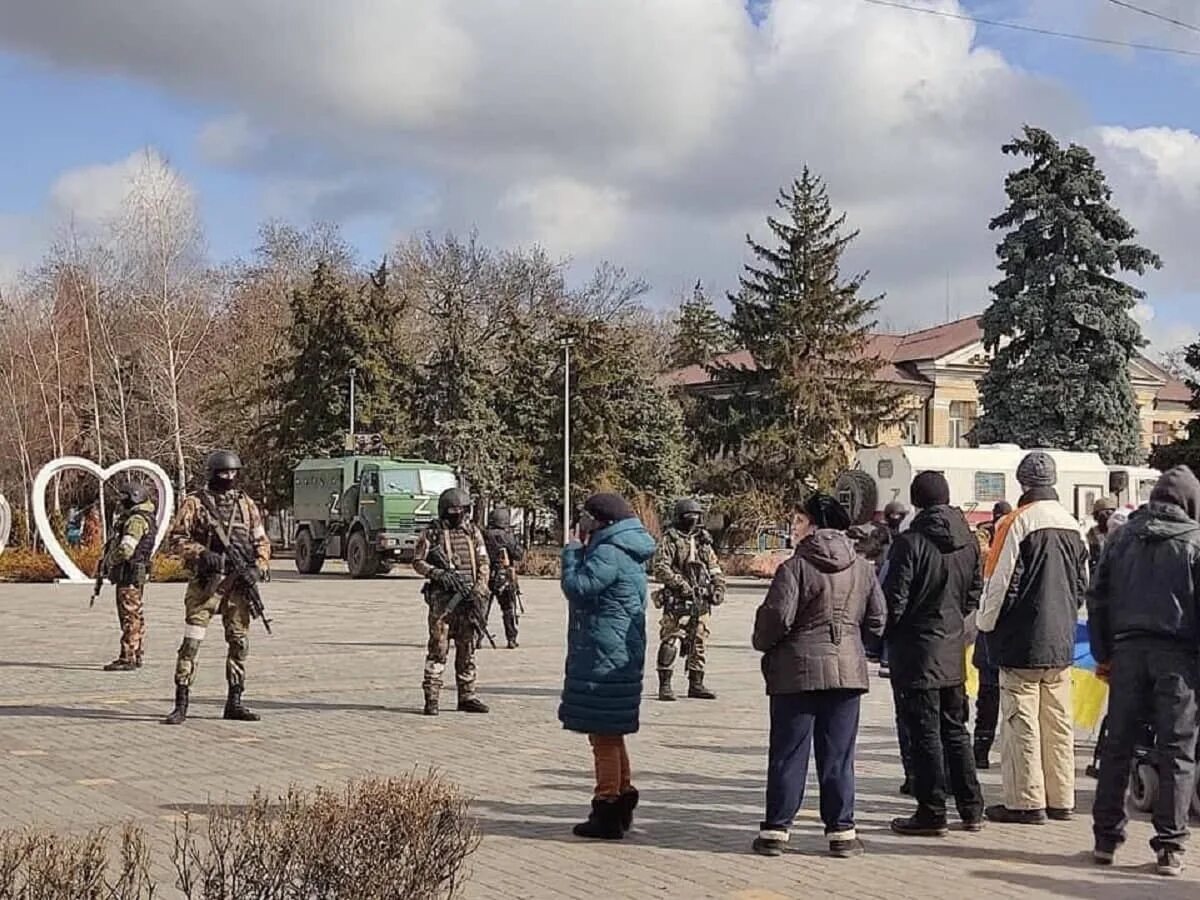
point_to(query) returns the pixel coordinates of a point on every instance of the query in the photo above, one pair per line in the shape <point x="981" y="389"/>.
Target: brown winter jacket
<point x="823" y="607"/>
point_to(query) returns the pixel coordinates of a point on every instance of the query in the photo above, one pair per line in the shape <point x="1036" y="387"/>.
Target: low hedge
<point x="34" y="567"/>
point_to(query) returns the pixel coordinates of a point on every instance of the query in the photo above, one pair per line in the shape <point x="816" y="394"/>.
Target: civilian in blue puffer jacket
<point x="604" y="580"/>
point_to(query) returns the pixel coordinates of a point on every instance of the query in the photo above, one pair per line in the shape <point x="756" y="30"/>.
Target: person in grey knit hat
<point x="1037" y="470"/>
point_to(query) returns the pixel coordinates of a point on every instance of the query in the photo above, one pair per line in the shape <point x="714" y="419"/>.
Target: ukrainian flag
<point x="1088" y="693"/>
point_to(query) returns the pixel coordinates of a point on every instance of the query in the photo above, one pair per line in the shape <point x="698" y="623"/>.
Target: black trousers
<point x="1163" y="678"/>
<point x="987" y="708"/>
<point x="942" y="760"/>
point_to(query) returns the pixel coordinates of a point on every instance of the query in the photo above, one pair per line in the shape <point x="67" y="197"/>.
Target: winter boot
<point x="629" y="802"/>
<point x="431" y="702"/>
<point x="121" y="665"/>
<point x="696" y="688"/>
<point x="604" y="823"/>
<point x="234" y="709"/>
<point x="665" y="692"/>
<point x="178" y="715"/>
<point x="471" y="705"/>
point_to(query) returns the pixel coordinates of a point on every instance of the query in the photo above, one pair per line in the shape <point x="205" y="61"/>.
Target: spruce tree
<point x="386" y="364"/>
<point x="812" y="396"/>
<point x="701" y="334"/>
<point x="1059" y="327"/>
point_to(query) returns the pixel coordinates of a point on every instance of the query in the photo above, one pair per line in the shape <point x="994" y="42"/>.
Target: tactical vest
<point x="232" y="511"/>
<point x="134" y="570"/>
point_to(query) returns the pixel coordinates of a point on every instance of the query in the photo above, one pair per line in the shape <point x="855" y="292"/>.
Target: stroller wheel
<point x="1143" y="786"/>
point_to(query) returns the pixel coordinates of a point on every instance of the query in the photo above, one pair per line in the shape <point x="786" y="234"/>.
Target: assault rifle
<point x="114" y="538"/>
<point x="238" y="570"/>
<point x="462" y="592"/>
<point x="704" y="592"/>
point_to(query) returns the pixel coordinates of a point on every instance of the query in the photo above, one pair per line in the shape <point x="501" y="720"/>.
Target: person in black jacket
<point x="1144" y="625"/>
<point x="933" y="582"/>
<point x="504" y="552"/>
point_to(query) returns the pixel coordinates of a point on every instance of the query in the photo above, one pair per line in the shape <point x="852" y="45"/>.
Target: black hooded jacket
<point x="932" y="582"/>
<point x="1148" y="582"/>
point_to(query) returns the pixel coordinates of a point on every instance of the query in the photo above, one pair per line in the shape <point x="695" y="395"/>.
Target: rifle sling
<point x="221" y="531"/>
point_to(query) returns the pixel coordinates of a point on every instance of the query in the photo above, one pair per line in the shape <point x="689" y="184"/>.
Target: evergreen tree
<point x="700" y="334"/>
<point x="386" y="363"/>
<point x="1060" y="326"/>
<point x="795" y="418"/>
<point x="1184" y="452"/>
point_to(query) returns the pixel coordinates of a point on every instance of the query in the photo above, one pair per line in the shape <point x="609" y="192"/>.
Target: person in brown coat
<point x="823" y="609"/>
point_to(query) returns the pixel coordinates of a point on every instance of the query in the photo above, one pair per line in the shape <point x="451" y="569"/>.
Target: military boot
<point x="471" y="705"/>
<point x="234" y="709"/>
<point x="696" y="688"/>
<point x="178" y="715"/>
<point x="665" y="691"/>
<point x="121" y="665"/>
<point x="431" y="702"/>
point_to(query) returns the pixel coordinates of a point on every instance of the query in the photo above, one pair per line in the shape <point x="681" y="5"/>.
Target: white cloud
<point x="652" y="132"/>
<point x="92" y="195"/>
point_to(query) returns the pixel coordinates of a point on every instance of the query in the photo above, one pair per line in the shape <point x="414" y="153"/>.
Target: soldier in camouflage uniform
<point x="127" y="563"/>
<point x="684" y="545"/>
<point x="463" y="547"/>
<point x="504" y="551"/>
<point x="195" y="537"/>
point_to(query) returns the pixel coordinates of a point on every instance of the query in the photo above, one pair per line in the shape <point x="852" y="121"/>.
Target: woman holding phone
<point x="604" y="580"/>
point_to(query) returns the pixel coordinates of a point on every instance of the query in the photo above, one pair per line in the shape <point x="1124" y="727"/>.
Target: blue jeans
<point x="828" y="722"/>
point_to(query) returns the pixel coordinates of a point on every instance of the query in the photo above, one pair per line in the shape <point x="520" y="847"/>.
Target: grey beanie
<point x="1037" y="470"/>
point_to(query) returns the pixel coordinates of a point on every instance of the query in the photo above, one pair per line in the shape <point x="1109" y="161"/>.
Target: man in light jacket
<point x="1036" y="575"/>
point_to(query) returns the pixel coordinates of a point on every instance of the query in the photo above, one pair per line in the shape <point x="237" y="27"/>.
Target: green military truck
<point x="367" y="510"/>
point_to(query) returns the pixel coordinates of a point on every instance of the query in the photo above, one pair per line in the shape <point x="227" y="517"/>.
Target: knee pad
<point x="190" y="646"/>
<point x="239" y="647"/>
<point x="667" y="651"/>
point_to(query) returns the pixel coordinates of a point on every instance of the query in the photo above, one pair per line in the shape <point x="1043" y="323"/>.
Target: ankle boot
<point x="431" y="702"/>
<point x="604" y="822"/>
<point x="178" y="715"/>
<point x="983" y="750"/>
<point x="629" y="802"/>
<point x="696" y="688"/>
<point x="665" y="691"/>
<point x="234" y="709"/>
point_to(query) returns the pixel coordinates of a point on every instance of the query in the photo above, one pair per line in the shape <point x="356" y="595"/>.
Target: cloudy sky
<point x="654" y="133"/>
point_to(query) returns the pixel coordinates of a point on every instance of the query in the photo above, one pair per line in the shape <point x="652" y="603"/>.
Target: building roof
<point x="901" y="353"/>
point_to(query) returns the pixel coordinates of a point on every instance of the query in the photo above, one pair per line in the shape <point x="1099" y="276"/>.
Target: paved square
<point x="339" y="689"/>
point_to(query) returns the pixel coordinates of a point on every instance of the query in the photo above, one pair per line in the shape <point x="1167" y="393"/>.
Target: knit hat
<point x="930" y="489"/>
<point x="1104" y="503"/>
<point x="1037" y="470"/>
<point x="1000" y="510"/>
<point x="826" y="512"/>
<point x="1179" y="486"/>
<point x="609" y="508"/>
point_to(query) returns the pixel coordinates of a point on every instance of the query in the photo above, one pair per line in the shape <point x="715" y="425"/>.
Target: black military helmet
<point x="133" y="493"/>
<point x="454" y="498"/>
<point x="223" y="461"/>
<point x="499" y="518"/>
<point x="687" y="507"/>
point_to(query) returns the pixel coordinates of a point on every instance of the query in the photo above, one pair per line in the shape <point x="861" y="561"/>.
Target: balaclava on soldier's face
<point x="223" y="480"/>
<point x="455" y="516"/>
<point x="689" y="522"/>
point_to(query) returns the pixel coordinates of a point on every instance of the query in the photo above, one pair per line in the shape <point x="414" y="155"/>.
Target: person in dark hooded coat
<point x="822" y="613"/>
<point x="933" y="583"/>
<point x="1144" y="626"/>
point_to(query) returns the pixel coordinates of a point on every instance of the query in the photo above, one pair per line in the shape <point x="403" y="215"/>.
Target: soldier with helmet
<point x="462" y="546"/>
<point x="127" y="562"/>
<point x="684" y="560"/>
<point x="504" y="551"/>
<point x="1097" y="535"/>
<point x="216" y="521"/>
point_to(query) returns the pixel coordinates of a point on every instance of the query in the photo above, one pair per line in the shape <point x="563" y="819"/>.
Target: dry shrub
<point x="541" y="564"/>
<point x="400" y="838"/>
<point x="752" y="565"/>
<point x="43" y="865"/>
<point x="646" y="508"/>
<point x="31" y="567"/>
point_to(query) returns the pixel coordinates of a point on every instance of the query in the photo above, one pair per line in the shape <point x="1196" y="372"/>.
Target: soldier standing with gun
<point x="687" y="567"/>
<point x="220" y="535"/>
<point x="504" y="551"/>
<point x="450" y="550"/>
<point x="126" y="562"/>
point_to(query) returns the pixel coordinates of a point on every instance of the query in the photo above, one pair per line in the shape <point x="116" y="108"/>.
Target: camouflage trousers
<point x="671" y="633"/>
<point x="443" y="630"/>
<point x="201" y="602"/>
<point x="132" y="621"/>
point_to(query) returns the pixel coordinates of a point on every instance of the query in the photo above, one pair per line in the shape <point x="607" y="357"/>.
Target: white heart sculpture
<point x="166" y="503"/>
<point x="5" y="522"/>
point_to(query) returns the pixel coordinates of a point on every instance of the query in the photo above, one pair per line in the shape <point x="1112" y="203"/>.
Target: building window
<point x="911" y="432"/>
<point x="963" y="414"/>
<point x="989" y="487"/>
<point x="1162" y="433"/>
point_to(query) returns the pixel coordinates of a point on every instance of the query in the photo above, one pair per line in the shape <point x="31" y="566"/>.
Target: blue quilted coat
<point x="605" y="586"/>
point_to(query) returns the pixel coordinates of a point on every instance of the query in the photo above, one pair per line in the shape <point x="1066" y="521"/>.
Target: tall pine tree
<point x="1060" y="326"/>
<point x="812" y="396"/>
<point x="701" y="334"/>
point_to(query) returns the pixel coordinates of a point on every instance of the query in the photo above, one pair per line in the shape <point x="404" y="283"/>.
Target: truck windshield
<point x="401" y="481"/>
<point x="434" y="481"/>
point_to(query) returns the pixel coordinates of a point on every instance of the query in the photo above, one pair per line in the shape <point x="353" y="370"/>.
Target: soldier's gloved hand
<point x="210" y="562"/>
<point x="685" y="592"/>
<point x="442" y="578"/>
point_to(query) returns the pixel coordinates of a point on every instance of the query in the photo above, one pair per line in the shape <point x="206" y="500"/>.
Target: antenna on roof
<point x="948" y="319"/>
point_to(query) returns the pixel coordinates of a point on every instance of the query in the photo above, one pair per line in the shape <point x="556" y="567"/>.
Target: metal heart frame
<point x="5" y="522"/>
<point x="166" y="503"/>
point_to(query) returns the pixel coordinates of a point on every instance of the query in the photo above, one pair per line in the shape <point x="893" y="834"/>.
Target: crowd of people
<point x="918" y="597"/>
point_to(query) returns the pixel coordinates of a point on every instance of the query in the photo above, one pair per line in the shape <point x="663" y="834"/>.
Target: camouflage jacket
<point x="676" y="552"/>
<point x="192" y="532"/>
<point x="463" y="546"/>
<point x="1095" y="541"/>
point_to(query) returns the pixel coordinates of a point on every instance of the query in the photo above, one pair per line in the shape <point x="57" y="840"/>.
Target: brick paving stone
<point x="338" y="686"/>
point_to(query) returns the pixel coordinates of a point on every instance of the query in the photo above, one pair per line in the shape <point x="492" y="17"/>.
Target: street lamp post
<point x="566" y="344"/>
<point x="353" y="373"/>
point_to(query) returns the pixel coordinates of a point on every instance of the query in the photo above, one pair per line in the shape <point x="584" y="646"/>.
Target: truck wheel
<point x="308" y="560"/>
<point x="856" y="490"/>
<point x="360" y="558"/>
